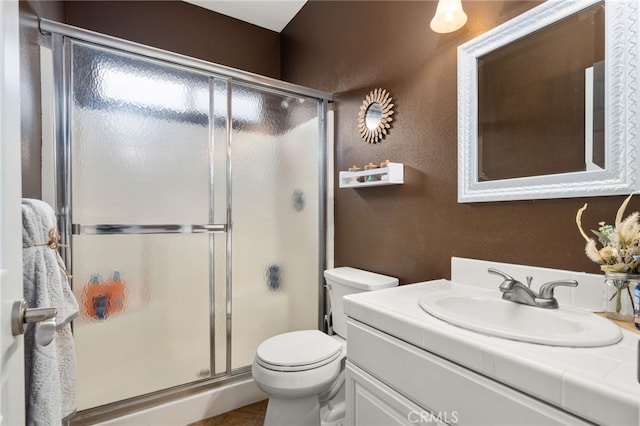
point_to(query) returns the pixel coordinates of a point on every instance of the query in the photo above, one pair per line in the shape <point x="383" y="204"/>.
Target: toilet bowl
<point x="303" y="371"/>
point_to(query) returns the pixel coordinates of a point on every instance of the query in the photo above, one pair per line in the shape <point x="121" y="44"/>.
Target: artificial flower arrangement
<point x="620" y="242"/>
<point x="619" y="255"/>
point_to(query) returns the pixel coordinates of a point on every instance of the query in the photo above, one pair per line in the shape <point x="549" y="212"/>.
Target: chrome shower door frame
<point x="61" y="37"/>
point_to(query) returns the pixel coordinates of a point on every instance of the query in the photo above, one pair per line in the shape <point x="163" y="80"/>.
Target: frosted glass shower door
<point x="275" y="146"/>
<point x="148" y="204"/>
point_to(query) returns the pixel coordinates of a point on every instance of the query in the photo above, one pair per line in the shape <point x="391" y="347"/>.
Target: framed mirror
<point x="374" y="118"/>
<point x="548" y="104"/>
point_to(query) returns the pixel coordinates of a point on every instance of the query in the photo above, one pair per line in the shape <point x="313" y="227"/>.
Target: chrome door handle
<point x="22" y="316"/>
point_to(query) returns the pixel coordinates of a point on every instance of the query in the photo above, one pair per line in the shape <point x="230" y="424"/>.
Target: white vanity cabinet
<point x="391" y="382"/>
<point x="400" y="360"/>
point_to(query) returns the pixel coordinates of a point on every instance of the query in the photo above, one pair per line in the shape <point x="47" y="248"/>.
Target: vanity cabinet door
<point x="441" y="386"/>
<point x="372" y="403"/>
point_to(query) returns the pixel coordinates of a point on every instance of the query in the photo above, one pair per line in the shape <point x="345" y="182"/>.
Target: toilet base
<point x="333" y="414"/>
<point x="307" y="411"/>
<point x="299" y="411"/>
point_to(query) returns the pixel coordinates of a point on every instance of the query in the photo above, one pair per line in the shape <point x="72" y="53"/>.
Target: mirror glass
<point x="533" y="96"/>
<point x="373" y="116"/>
<point x="547" y="104"/>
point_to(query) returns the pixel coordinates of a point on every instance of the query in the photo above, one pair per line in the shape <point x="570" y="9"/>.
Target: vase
<point x="618" y="295"/>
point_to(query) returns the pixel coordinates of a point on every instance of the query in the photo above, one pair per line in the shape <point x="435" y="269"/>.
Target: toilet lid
<point x="299" y="349"/>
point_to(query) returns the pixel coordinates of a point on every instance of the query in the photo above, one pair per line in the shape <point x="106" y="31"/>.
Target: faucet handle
<point x="508" y="282"/>
<point x="546" y="290"/>
<point x="500" y="273"/>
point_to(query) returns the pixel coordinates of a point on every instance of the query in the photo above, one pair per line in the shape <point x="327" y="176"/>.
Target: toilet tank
<point x="345" y="280"/>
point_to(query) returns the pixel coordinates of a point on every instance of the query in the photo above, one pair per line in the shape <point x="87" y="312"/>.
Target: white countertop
<point x="597" y="384"/>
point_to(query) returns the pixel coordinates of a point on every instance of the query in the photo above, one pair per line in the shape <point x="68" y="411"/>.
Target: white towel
<point x="50" y="371"/>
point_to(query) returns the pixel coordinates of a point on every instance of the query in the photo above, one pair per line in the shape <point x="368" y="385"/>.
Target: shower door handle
<point x="22" y="316"/>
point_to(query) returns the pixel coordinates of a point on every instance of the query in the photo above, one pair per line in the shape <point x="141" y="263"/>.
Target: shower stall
<point x="191" y="198"/>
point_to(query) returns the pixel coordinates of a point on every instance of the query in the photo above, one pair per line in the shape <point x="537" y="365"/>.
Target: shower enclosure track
<point x="268" y="83"/>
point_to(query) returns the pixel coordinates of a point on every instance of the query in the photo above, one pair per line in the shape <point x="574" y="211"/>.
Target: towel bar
<point x="77" y="229"/>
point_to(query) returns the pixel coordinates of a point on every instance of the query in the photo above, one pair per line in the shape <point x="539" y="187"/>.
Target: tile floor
<point x="251" y="415"/>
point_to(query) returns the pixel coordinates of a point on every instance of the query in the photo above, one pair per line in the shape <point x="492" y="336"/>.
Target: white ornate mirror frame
<point x="622" y="51"/>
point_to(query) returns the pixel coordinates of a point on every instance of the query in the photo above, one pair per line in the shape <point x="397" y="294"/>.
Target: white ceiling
<point x="271" y="14"/>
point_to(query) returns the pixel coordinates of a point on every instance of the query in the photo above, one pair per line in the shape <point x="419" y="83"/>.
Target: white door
<point x="11" y="348"/>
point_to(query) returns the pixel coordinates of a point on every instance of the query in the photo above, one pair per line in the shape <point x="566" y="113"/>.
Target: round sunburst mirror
<point x="374" y="118"/>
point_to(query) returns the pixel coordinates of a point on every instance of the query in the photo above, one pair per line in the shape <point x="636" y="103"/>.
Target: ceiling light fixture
<point x="449" y="16"/>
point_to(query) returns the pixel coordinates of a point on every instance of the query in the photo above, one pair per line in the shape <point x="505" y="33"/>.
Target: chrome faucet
<point x="514" y="291"/>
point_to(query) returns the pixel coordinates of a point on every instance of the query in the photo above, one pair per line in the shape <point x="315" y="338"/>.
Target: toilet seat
<point x="298" y="351"/>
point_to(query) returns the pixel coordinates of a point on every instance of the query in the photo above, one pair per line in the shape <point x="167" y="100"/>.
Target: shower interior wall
<point x="268" y="169"/>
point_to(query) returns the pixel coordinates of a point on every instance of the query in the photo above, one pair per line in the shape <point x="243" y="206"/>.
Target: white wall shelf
<point x="393" y="174"/>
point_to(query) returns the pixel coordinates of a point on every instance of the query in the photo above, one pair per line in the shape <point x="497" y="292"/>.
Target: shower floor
<point x="250" y="415"/>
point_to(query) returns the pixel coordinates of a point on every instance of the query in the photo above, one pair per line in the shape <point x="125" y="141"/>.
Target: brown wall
<point x="349" y="48"/>
<point x="183" y="28"/>
<point x="411" y="231"/>
<point x="171" y="25"/>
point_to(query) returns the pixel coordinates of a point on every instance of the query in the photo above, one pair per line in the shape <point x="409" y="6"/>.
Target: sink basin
<point x="496" y="317"/>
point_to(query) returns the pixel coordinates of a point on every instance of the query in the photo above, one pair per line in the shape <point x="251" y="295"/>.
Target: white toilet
<point x="303" y="371"/>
